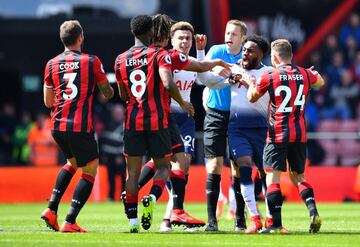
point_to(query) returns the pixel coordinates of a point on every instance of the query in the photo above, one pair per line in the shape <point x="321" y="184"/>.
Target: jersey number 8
<point x="138" y="79"/>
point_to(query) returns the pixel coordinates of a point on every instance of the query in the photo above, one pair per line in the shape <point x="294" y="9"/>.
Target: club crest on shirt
<point x="182" y="57"/>
<point x="168" y="59"/>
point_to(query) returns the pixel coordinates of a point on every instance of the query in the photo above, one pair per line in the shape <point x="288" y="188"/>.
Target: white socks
<point x="232" y="201"/>
<point x="169" y="206"/>
<point x="248" y="194"/>
<point x="153" y="197"/>
<point x="134" y="221"/>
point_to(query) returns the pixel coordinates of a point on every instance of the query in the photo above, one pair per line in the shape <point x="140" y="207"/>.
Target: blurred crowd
<point x="336" y="107"/>
<point x="338" y="60"/>
<point x="25" y="138"/>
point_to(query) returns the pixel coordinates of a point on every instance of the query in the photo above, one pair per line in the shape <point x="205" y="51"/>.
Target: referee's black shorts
<point x="215" y="133"/>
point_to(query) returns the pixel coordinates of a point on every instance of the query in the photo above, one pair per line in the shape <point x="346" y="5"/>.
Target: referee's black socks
<point x="212" y="194"/>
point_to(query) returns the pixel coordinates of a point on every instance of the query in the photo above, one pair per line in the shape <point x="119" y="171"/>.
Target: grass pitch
<point x="108" y="226"/>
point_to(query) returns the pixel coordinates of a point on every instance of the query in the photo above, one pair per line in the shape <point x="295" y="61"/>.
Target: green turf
<point x="108" y="225"/>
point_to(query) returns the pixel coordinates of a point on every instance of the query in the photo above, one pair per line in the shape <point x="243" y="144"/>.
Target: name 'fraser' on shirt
<point x="295" y="77"/>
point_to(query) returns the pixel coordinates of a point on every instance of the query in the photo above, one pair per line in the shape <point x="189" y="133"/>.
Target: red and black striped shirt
<point x="138" y="70"/>
<point x="73" y="76"/>
<point x="178" y="62"/>
<point x="288" y="87"/>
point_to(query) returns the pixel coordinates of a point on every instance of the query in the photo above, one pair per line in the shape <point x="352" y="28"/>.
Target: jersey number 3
<point x="71" y="89"/>
<point x="299" y="100"/>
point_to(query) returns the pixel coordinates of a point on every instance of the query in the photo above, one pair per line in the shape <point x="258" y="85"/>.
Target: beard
<point x="249" y="64"/>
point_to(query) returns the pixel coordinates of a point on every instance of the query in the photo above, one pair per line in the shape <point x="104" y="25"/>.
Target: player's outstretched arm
<point x="212" y="80"/>
<point x="106" y="89"/>
<point x="206" y="65"/>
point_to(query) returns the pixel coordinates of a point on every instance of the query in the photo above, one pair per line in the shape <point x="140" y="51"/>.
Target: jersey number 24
<point x="299" y="100"/>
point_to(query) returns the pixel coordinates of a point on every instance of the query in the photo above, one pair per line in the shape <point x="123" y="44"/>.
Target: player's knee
<point x="72" y="162"/>
<point x="297" y="178"/>
<point x="244" y="162"/>
<point x="213" y="168"/>
<point x="162" y="168"/>
<point x="273" y="176"/>
<point x="91" y="168"/>
<point x="181" y="162"/>
<point x="175" y="165"/>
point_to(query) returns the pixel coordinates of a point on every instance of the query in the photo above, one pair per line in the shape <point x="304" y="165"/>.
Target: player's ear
<point x="261" y="55"/>
<point x="243" y="38"/>
<point x="276" y="59"/>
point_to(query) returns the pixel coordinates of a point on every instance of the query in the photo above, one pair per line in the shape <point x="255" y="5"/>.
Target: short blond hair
<point x="70" y="31"/>
<point x="181" y="25"/>
<point x="282" y="48"/>
<point x="240" y="24"/>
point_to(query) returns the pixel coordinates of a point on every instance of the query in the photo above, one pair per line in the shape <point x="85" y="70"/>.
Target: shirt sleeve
<point x="179" y="60"/>
<point x="47" y="76"/>
<point x="313" y="76"/>
<point x="263" y="84"/>
<point x="164" y="60"/>
<point x="99" y="73"/>
<point x="117" y="71"/>
<point x="212" y="80"/>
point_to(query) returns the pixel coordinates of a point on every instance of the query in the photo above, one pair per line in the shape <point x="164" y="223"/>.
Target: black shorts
<point x="276" y="154"/>
<point x="215" y="133"/>
<point x="79" y="145"/>
<point x="177" y="144"/>
<point x="155" y="143"/>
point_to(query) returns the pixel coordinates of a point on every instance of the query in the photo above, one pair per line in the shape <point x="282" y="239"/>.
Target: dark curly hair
<point x="141" y="25"/>
<point x="162" y="26"/>
<point x="261" y="42"/>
